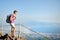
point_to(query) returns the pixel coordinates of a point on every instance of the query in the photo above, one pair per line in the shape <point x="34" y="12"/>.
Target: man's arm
<point x="11" y="18"/>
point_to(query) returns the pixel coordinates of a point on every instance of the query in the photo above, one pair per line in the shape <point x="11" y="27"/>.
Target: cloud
<point x="41" y="18"/>
<point x="25" y="30"/>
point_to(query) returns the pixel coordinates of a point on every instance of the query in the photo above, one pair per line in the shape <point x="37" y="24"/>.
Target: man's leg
<point x="12" y="29"/>
<point x="12" y="32"/>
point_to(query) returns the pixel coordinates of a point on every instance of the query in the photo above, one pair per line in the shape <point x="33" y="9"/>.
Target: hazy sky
<point x="44" y="13"/>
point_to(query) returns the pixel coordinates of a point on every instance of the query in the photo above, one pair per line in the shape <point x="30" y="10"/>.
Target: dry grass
<point x="20" y="38"/>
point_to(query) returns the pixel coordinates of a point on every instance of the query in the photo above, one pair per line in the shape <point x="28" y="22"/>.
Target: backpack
<point x="8" y="18"/>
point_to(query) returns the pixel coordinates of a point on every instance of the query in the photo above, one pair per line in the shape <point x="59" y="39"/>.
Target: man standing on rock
<point x="10" y="19"/>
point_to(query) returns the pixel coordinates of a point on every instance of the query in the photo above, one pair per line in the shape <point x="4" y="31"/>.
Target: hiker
<point x="10" y="19"/>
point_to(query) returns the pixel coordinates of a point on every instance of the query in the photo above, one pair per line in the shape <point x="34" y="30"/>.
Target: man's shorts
<point x="12" y="25"/>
